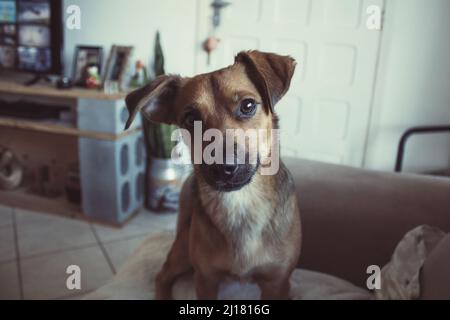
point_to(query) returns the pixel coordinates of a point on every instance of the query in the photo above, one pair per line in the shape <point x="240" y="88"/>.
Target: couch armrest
<point x="353" y="218"/>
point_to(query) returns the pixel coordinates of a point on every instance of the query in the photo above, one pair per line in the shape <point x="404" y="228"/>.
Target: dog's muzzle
<point x="229" y="177"/>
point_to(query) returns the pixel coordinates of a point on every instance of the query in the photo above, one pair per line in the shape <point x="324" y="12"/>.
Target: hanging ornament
<point x="210" y="45"/>
<point x="218" y="6"/>
<point x="212" y="42"/>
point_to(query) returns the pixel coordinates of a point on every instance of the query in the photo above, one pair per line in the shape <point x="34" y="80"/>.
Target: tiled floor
<point x="36" y="249"/>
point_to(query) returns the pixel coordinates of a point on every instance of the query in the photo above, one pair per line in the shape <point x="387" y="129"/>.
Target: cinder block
<point x="107" y="116"/>
<point x="112" y="177"/>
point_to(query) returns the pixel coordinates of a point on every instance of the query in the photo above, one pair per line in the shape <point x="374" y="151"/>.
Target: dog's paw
<point x="163" y="294"/>
<point x="162" y="290"/>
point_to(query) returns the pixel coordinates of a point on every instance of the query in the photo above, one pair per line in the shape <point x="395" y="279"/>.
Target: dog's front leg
<point x="277" y="289"/>
<point x="206" y="286"/>
<point x="177" y="263"/>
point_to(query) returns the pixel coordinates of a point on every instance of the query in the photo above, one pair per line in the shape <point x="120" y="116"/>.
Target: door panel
<point x="325" y="115"/>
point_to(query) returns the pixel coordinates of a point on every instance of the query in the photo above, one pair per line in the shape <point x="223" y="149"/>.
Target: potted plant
<point x="164" y="178"/>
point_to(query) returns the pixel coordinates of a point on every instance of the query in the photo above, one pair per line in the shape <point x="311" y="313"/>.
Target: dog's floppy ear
<point x="155" y="100"/>
<point x="271" y="74"/>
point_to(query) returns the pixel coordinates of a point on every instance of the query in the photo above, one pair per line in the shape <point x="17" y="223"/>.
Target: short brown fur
<point x="252" y="234"/>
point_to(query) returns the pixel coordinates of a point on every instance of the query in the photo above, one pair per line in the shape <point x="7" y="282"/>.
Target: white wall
<point x="413" y="85"/>
<point x="134" y="22"/>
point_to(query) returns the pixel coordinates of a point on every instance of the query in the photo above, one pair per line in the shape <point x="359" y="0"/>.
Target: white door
<point x="325" y="115"/>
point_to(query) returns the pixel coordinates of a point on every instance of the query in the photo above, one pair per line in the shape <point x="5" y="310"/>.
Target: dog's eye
<point x="189" y="119"/>
<point x="247" y="108"/>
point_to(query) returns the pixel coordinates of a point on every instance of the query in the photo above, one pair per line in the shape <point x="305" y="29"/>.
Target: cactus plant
<point x="157" y="135"/>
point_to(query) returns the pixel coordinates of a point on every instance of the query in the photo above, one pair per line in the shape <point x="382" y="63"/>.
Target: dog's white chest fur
<point x="245" y="215"/>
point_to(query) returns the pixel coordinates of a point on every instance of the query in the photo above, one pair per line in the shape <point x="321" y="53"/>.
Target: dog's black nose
<point x="228" y="177"/>
<point x="224" y="171"/>
<point x="230" y="169"/>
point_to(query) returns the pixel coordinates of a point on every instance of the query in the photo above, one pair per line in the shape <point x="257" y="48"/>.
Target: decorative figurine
<point x="93" y="80"/>
<point x="140" y="77"/>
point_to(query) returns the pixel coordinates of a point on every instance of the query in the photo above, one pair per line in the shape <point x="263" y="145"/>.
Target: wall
<point x="413" y="79"/>
<point x="413" y="85"/>
<point x="135" y="22"/>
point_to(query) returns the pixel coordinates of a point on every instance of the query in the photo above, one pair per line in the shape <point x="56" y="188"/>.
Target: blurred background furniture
<point x="88" y="132"/>
<point x="352" y="219"/>
<point x="416" y="131"/>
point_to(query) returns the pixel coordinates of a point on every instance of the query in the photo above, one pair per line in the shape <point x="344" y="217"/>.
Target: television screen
<point x="31" y="36"/>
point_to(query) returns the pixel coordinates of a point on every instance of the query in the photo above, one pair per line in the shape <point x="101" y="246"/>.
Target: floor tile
<point x="26" y="216"/>
<point x="159" y="222"/>
<point x="7" y="246"/>
<point x="44" y="277"/>
<point x="119" y="251"/>
<point x="144" y="224"/>
<point x="5" y="216"/>
<point x="39" y="234"/>
<point x="9" y="281"/>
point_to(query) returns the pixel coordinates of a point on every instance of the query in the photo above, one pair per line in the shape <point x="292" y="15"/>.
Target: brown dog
<point x="234" y="222"/>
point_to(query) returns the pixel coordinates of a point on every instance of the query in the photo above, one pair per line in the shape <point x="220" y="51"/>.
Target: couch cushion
<point x="135" y="281"/>
<point x="349" y="210"/>
<point x="435" y="278"/>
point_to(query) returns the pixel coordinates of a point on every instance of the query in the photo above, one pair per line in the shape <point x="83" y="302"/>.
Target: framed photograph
<point x="34" y="12"/>
<point x="7" y="57"/>
<point x="86" y="57"/>
<point x="116" y="65"/>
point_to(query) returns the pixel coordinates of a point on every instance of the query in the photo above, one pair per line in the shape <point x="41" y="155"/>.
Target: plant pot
<point x="164" y="181"/>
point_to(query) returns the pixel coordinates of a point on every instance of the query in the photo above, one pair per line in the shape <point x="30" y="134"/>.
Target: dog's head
<point x="242" y="96"/>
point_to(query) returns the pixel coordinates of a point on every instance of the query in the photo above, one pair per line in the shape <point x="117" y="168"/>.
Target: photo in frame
<point x="116" y="66"/>
<point x="85" y="60"/>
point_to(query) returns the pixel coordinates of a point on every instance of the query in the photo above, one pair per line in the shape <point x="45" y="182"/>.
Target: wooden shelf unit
<point x="52" y="92"/>
<point x="23" y="199"/>
<point x="46" y="91"/>
<point x="56" y="128"/>
<point x="99" y="134"/>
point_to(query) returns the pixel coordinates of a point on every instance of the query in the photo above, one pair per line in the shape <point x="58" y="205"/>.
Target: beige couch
<point x="352" y="218"/>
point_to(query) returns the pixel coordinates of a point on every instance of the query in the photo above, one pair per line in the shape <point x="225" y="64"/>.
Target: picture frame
<point x="86" y="56"/>
<point x="116" y="66"/>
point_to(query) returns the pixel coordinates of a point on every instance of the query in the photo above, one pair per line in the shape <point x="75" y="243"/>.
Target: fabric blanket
<point x="135" y="281"/>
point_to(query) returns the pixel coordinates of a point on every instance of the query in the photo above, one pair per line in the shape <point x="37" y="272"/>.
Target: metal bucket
<point x="164" y="181"/>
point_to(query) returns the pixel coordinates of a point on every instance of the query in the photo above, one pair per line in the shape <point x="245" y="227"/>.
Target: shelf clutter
<point x="46" y="90"/>
<point x="81" y="127"/>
